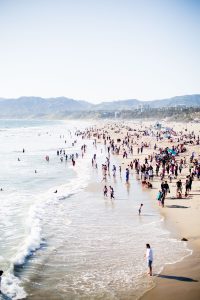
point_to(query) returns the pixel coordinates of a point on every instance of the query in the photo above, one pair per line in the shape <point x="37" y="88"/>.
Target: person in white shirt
<point x="1" y="273"/>
<point x="149" y="258"/>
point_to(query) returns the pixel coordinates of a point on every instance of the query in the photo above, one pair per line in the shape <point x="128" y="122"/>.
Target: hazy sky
<point x="99" y="50"/>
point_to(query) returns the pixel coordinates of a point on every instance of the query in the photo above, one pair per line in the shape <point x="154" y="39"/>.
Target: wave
<point x="11" y="288"/>
<point x="34" y="239"/>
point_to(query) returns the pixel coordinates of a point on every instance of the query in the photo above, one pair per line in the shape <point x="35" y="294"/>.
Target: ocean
<point x="72" y="244"/>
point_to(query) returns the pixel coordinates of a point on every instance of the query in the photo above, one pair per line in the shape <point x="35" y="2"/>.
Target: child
<point x="140" y="209"/>
<point x="159" y="197"/>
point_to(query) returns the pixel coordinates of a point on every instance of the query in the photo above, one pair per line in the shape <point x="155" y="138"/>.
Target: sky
<point x="99" y="50"/>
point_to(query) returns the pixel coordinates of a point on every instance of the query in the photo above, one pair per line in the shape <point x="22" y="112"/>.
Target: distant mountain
<point x="27" y="107"/>
<point x="188" y="100"/>
<point x="118" y="105"/>
<point x="36" y="106"/>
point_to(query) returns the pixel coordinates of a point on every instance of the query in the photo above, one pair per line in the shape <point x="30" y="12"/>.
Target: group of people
<point x="111" y="191"/>
<point x="164" y="164"/>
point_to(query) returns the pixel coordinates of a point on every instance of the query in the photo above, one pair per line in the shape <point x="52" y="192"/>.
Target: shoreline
<point x="181" y="219"/>
<point x="180" y="279"/>
<point x="177" y="279"/>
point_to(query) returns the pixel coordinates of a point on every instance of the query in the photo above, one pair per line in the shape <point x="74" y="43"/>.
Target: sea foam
<point x="34" y="238"/>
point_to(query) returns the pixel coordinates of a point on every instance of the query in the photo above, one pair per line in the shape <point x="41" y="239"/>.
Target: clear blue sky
<point x="99" y="50"/>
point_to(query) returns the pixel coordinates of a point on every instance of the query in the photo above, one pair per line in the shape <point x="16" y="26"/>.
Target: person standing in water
<point x="105" y="191"/>
<point x="140" y="209"/>
<point x="111" y="193"/>
<point x="127" y="175"/>
<point x="149" y="258"/>
<point x="1" y="273"/>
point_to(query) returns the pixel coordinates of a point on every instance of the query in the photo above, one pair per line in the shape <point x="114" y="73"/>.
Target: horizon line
<point x="103" y="101"/>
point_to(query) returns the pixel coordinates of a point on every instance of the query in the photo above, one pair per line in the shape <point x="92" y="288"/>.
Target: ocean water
<point x="73" y="244"/>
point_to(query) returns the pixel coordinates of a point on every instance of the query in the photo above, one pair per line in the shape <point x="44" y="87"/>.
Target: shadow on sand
<point x="179" y="278"/>
<point x="177" y="206"/>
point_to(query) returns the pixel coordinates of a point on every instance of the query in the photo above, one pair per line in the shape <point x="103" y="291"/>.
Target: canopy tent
<point x="173" y="152"/>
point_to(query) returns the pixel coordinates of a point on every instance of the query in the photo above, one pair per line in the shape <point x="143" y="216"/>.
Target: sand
<point x="182" y="216"/>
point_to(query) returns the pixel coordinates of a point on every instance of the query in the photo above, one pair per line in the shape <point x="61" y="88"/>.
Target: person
<point x="159" y="197"/>
<point x="114" y="170"/>
<point x="127" y="175"/>
<point x="111" y="193"/>
<point x="165" y="188"/>
<point x="140" y="209"/>
<point x="187" y="188"/>
<point x="149" y="258"/>
<point x="149" y="185"/>
<point x="163" y="199"/>
<point x="120" y="170"/>
<point x="179" y="188"/>
<point x="1" y="273"/>
<point x="105" y="191"/>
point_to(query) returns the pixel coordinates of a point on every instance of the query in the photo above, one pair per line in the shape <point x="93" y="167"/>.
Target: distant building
<point x="117" y="114"/>
<point x="143" y="107"/>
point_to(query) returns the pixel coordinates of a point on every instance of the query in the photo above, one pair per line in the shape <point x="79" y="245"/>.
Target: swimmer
<point x="55" y="191"/>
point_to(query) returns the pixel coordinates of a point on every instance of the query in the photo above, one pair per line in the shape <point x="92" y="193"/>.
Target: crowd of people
<point x="152" y="161"/>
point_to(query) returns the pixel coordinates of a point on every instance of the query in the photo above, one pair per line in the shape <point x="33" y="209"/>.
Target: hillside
<point x="187" y="100"/>
<point x="37" y="107"/>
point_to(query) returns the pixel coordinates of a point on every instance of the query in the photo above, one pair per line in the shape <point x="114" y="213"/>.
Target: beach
<point x="181" y="217"/>
<point x="100" y="150"/>
<point x="70" y="239"/>
<point x="182" y="280"/>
